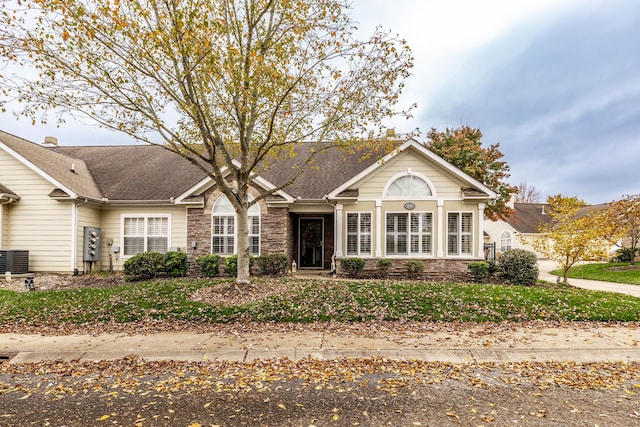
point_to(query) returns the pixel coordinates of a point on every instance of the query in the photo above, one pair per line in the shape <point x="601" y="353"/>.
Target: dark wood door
<point x="311" y="242"/>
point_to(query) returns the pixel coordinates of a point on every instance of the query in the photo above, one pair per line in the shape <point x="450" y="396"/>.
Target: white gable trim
<point x="412" y="143"/>
<point x="39" y="171"/>
<point x="209" y="182"/>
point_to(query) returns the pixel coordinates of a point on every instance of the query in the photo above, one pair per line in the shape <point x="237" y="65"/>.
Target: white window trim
<point x="502" y="239"/>
<point x="146" y="217"/>
<point x="235" y="228"/>
<point x="409" y="172"/>
<point x="359" y="234"/>
<point x="459" y="234"/>
<point x="235" y="233"/>
<point x="250" y="234"/>
<point x="409" y="254"/>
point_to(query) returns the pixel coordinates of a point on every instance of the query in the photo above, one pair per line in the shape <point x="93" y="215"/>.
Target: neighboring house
<point x="518" y="230"/>
<point x="411" y="204"/>
<point x="522" y="227"/>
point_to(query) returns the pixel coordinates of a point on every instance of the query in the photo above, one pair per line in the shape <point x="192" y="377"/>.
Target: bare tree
<point x="526" y="193"/>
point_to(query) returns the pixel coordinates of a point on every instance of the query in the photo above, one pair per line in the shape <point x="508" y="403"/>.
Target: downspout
<point x="6" y="202"/>
<point x="74" y="235"/>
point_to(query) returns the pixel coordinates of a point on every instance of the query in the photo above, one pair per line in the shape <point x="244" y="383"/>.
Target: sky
<point x="555" y="82"/>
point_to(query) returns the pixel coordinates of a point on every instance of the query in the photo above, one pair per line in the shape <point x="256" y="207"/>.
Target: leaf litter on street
<point x="370" y="391"/>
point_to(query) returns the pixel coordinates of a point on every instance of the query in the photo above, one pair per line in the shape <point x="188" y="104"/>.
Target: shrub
<point x="626" y="254"/>
<point x="175" y="264"/>
<point x="144" y="266"/>
<point x="273" y="264"/>
<point x="209" y="264"/>
<point x="479" y="271"/>
<point x="518" y="266"/>
<point x="352" y="266"/>
<point x="231" y="265"/>
<point x="415" y="269"/>
<point x="493" y="266"/>
<point x="383" y="266"/>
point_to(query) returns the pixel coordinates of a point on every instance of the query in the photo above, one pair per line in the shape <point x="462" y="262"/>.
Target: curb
<point x="461" y="355"/>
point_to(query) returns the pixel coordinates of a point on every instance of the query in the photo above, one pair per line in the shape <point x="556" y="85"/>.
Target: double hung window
<point x="505" y="241"/>
<point x="459" y="233"/>
<point x="145" y="234"/>
<point x="359" y="233"/>
<point x="224" y="229"/>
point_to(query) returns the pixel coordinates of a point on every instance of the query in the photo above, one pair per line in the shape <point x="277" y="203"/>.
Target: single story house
<point x="519" y="229"/>
<point x="82" y="208"/>
<point x="522" y="227"/>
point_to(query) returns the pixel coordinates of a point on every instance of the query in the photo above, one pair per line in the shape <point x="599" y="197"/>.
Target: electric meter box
<point x="91" y="246"/>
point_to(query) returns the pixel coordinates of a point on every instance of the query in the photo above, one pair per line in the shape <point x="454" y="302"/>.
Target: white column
<point x="339" y="229"/>
<point x="440" y="233"/>
<point x="379" y="228"/>
<point x="480" y="233"/>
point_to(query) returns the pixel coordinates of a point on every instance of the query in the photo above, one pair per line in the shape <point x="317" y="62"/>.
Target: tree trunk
<point x="243" y="274"/>
<point x="565" y="274"/>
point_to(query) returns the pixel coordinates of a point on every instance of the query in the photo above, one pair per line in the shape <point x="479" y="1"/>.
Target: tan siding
<point x="37" y="223"/>
<point x="88" y="216"/>
<point x="445" y="185"/>
<point x="111" y="225"/>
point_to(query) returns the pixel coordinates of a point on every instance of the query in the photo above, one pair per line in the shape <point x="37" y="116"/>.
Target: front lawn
<point x="619" y="272"/>
<point x="312" y="301"/>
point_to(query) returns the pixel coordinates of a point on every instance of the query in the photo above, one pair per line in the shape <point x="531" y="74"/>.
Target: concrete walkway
<point x="546" y="266"/>
<point x="461" y="343"/>
<point x="456" y="344"/>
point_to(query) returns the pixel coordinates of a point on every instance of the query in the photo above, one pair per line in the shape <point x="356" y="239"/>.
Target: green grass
<point x="611" y="272"/>
<point x="319" y="300"/>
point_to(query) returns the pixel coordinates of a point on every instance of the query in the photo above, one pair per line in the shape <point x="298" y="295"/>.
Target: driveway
<point x="546" y="266"/>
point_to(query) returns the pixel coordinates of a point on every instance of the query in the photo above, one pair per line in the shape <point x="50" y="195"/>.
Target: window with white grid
<point x="145" y="234"/>
<point x="359" y="233"/>
<point x="224" y="231"/>
<point x="505" y="241"/>
<point x="409" y="233"/>
<point x="459" y="233"/>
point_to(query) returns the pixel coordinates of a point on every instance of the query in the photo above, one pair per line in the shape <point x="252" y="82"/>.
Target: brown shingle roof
<point x="151" y="173"/>
<point x="332" y="169"/>
<point x="528" y="216"/>
<point x="473" y="193"/>
<point x="68" y="171"/>
<point x="137" y="172"/>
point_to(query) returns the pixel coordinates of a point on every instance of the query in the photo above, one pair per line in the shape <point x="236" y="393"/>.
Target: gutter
<point x="11" y="198"/>
<point x="74" y="234"/>
<point x="137" y="202"/>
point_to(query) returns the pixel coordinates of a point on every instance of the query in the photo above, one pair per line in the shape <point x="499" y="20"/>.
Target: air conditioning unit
<point x="15" y="261"/>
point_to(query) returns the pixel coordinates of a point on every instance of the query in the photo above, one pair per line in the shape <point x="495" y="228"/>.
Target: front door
<point x="311" y="242"/>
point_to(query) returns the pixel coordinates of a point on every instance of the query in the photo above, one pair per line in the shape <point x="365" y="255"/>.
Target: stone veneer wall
<point x="275" y="229"/>
<point x="437" y="270"/>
